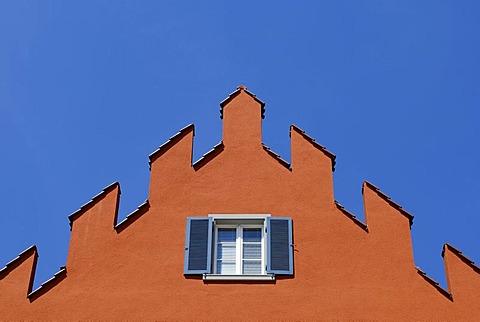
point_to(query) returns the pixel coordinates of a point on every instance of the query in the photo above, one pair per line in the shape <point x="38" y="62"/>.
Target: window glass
<point x="252" y="234"/>
<point x="252" y="267"/>
<point x="226" y="252"/>
<point x="226" y="268"/>
<point x="252" y="251"/>
<point x="227" y="235"/>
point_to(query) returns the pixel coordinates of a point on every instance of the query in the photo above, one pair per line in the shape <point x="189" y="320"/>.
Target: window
<point x="239" y="247"/>
<point x="239" y="250"/>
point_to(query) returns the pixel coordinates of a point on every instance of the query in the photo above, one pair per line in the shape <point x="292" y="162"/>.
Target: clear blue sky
<point x="89" y="88"/>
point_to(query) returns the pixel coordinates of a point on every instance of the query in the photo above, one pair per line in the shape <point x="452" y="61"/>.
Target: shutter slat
<point x="279" y="246"/>
<point x="198" y="245"/>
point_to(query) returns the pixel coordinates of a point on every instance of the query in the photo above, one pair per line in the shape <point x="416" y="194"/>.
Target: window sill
<point x="221" y="277"/>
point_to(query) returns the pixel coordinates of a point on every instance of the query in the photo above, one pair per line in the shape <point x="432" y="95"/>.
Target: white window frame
<point x="239" y="247"/>
<point x="235" y="221"/>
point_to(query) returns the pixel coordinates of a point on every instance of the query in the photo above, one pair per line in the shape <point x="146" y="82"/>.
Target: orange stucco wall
<point x="344" y="270"/>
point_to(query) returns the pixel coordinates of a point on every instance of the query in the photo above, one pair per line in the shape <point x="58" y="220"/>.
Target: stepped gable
<point x="460" y="255"/>
<point x="170" y="143"/>
<point x="351" y="216"/>
<point x="17" y="277"/>
<point x="232" y="95"/>
<point x="314" y="143"/>
<point x="48" y="285"/>
<point x="276" y="157"/>
<point x="390" y="201"/>
<point x="216" y="150"/>
<point x="72" y="217"/>
<point x="131" y="217"/>
<point x="120" y="270"/>
<point x="30" y="251"/>
<point x="434" y="284"/>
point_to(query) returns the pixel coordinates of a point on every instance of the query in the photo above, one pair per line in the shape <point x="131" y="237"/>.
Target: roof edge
<point x="131" y="217"/>
<point x="48" y="285"/>
<point x="460" y="255"/>
<point x="277" y="157"/>
<point x="354" y="218"/>
<point x="10" y="266"/>
<point x="434" y="283"/>
<point x="389" y="201"/>
<point x="170" y="142"/>
<point x="72" y="217"/>
<point x="314" y="143"/>
<point x="209" y="155"/>
<point x="234" y="94"/>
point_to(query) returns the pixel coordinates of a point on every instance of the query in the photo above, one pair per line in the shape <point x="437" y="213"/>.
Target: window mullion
<point x="263" y="250"/>
<point x="238" y="268"/>
<point x="215" y="247"/>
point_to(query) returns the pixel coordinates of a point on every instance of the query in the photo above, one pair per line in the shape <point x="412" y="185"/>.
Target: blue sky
<point x="89" y="88"/>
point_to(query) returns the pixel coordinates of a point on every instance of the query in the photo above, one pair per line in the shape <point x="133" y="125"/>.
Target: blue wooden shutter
<point x="198" y="245"/>
<point x="279" y="246"/>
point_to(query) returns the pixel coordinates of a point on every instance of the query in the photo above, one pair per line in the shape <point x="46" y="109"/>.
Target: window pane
<point x="225" y="268"/>
<point x="226" y="252"/>
<point x="227" y="234"/>
<point x="252" y="251"/>
<point x="252" y="234"/>
<point x="252" y="267"/>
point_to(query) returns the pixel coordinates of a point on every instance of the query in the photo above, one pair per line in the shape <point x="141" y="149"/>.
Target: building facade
<point x="241" y="235"/>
